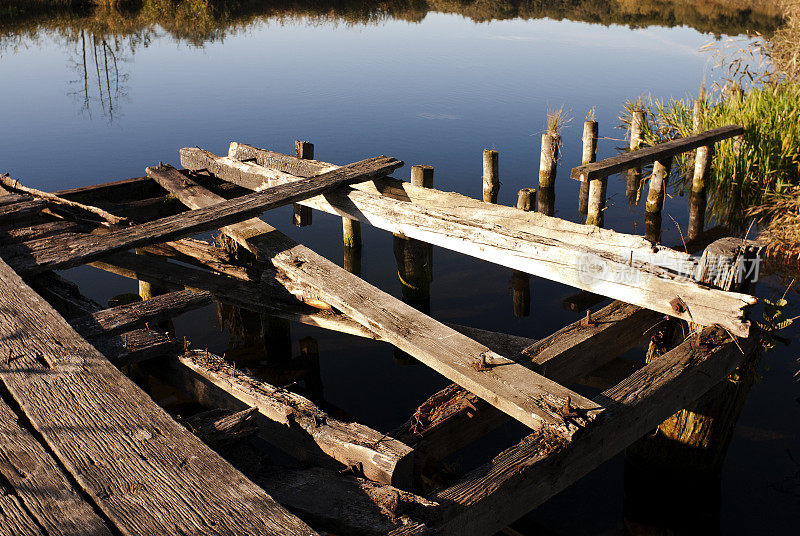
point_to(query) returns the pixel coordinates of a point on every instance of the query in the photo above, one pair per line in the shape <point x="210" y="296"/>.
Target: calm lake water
<point x="435" y="91"/>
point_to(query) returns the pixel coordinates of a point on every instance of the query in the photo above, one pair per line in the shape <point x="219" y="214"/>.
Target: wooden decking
<point x="84" y="450"/>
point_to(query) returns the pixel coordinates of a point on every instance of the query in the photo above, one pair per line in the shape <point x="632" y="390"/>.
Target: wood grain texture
<point x="49" y="254"/>
<point x="624" y="267"/>
<point x="524" y="395"/>
<point x="648" y="155"/>
<point x="526" y="475"/>
<point x="39" y="486"/>
<point x="145" y="472"/>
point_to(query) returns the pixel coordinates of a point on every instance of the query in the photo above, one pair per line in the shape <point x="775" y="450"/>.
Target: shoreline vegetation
<point x="198" y="21"/>
<point x="754" y="180"/>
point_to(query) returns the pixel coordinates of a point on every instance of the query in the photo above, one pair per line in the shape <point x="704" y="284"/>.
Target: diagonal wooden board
<point x="54" y="253"/>
<point x="662" y="151"/>
<point x="145" y="472"/>
<point x="623" y="267"/>
<point x="521" y="393"/>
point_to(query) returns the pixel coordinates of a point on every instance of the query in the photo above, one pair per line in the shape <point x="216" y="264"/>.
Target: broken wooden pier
<point x="85" y="450"/>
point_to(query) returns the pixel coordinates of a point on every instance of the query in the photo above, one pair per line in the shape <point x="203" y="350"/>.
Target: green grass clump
<point x="765" y="161"/>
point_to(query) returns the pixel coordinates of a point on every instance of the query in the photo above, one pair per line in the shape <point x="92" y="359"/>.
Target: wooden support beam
<point x="145" y="472"/>
<point x="526" y="475"/>
<point x="648" y="155"/>
<point x="124" y="317"/>
<point x="593" y="341"/>
<point x="566" y="356"/>
<point x="516" y="390"/>
<point x="51" y="254"/>
<point x="296" y="422"/>
<point x="619" y="266"/>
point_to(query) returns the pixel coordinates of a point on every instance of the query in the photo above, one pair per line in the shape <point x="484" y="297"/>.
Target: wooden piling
<point x="521" y="281"/>
<point x="526" y="199"/>
<point x="634" y="179"/>
<point x="301" y="215"/>
<point x="673" y="476"/>
<point x="590" y="131"/>
<point x="491" y="175"/>
<point x="655" y="199"/>
<point x="309" y="354"/>
<point x="702" y="168"/>
<point x="147" y="289"/>
<point x="547" y="173"/>
<point x="414" y="258"/>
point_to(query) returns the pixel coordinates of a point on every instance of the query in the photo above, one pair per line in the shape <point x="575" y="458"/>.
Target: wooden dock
<point x="84" y="450"/>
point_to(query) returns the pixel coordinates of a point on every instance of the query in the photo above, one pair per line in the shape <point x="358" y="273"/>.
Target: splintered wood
<point x="84" y="450"/>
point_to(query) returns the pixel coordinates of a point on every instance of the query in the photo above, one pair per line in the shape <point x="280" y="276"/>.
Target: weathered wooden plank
<point x="37" y="257"/>
<point x="39" y="485"/>
<point x="118" y="190"/>
<point x="297" y="420"/>
<point x="124" y="317"/>
<point x="252" y="176"/>
<point x="541" y="465"/>
<point x="453" y="418"/>
<point x="662" y="151"/>
<point x="16" y="235"/>
<point x="134" y="346"/>
<point x="244" y="294"/>
<point x="524" y="395"/>
<point x="586" y="344"/>
<point x="145" y="472"/>
<point x="344" y="504"/>
<point x="19" y="212"/>
<point x="623" y="267"/>
<point x="13" y="198"/>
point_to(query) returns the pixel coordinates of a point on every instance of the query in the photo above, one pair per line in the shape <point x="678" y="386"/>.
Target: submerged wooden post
<point x="547" y="173"/>
<point x="634" y="178"/>
<point x="309" y="354"/>
<point x="414" y="263"/>
<point x="702" y="169"/>
<point x="491" y="175"/>
<point x="148" y="290"/>
<point x="672" y="477"/>
<point x="521" y="281"/>
<point x="590" y="131"/>
<point x="655" y="200"/>
<point x="301" y="215"/>
<point x="414" y="258"/>
<point x="596" y="195"/>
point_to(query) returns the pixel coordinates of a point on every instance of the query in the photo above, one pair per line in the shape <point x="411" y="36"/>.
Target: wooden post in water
<point x="547" y="173"/>
<point x="596" y="200"/>
<point x="148" y="290"/>
<point x="301" y="215"/>
<point x="413" y="256"/>
<point x="491" y="175"/>
<point x="634" y="179"/>
<point x="415" y="263"/>
<point x="672" y="477"/>
<point x="590" y="131"/>
<point x="702" y="169"/>
<point x="521" y="281"/>
<point x="309" y="355"/>
<point x="655" y="200"/>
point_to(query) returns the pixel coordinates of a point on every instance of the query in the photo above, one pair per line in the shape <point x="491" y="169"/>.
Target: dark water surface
<point x="434" y="91"/>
